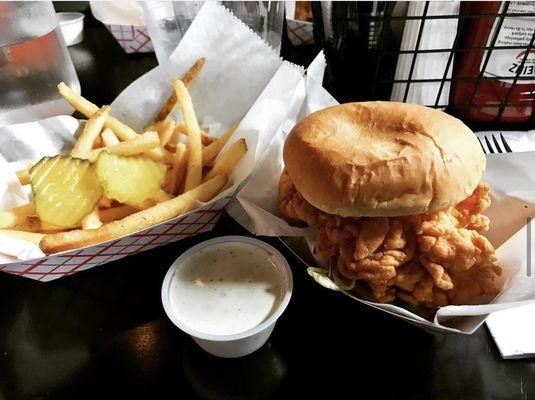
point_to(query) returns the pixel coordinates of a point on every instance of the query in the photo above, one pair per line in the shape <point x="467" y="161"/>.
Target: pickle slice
<point x="65" y="189"/>
<point x="129" y="179"/>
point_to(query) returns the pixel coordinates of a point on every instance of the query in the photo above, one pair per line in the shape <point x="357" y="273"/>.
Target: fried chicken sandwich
<point x="395" y="191"/>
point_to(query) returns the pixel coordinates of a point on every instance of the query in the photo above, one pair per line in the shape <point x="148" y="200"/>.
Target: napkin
<point x="513" y="331"/>
<point x="436" y="34"/>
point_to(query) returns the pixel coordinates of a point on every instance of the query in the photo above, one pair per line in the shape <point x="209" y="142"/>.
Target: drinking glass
<point x="33" y="60"/>
<point x="168" y="21"/>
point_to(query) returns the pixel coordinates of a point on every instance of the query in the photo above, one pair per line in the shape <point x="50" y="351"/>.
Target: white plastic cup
<point x="239" y="344"/>
<point x="72" y="27"/>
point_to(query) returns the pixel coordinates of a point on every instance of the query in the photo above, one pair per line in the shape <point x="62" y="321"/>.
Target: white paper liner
<point x="118" y="12"/>
<point x="513" y="190"/>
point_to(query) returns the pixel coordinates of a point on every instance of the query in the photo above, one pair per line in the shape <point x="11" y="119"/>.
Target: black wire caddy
<point x="486" y="75"/>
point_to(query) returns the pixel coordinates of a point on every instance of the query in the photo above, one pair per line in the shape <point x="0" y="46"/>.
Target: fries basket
<point x="133" y="39"/>
<point x="238" y="127"/>
<point x="300" y="32"/>
<point x="68" y="263"/>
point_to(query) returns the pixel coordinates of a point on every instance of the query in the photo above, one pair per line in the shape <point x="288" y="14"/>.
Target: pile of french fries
<point x="192" y="173"/>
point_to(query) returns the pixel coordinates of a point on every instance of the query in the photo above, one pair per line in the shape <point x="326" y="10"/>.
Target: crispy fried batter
<point x="371" y="236"/>
<point x="430" y="260"/>
<point x="440" y="276"/>
<point x="293" y="205"/>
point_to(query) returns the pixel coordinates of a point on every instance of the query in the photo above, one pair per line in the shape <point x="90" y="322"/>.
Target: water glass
<point x="168" y="21"/>
<point x="33" y="60"/>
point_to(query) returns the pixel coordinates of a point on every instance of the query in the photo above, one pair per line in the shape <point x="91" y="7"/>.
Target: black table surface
<point x="103" y="332"/>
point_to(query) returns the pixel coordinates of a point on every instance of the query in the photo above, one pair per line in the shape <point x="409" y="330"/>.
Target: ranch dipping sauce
<point x="227" y="288"/>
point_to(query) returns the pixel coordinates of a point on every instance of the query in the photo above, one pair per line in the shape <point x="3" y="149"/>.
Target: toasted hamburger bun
<point x="383" y="159"/>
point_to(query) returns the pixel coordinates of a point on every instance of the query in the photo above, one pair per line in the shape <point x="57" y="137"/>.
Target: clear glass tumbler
<point x="168" y="21"/>
<point x="33" y="60"/>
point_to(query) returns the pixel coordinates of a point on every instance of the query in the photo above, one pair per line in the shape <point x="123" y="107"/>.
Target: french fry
<point x="24" y="175"/>
<point x="87" y="108"/>
<point x="176" y="133"/>
<point x="121" y="130"/>
<point x="188" y="79"/>
<point x="178" y="170"/>
<point x="105" y="202"/>
<point x="108" y="137"/>
<point x="194" y="171"/>
<point x="160" y="196"/>
<point x="98" y="142"/>
<point x="106" y="215"/>
<point x="160" y="154"/>
<point x="115" y="213"/>
<point x="232" y="156"/>
<point x="144" y="142"/>
<point x="206" y="138"/>
<point x="165" y="130"/>
<point x="160" y="126"/>
<point x="145" y="204"/>
<point x="92" y="220"/>
<point x="74" y="99"/>
<point x="170" y="147"/>
<point x="54" y="243"/>
<point x="92" y="129"/>
<point x="33" y="224"/>
<point x="167" y="178"/>
<point x="49" y="228"/>
<point x="31" y="237"/>
<point x="30" y="224"/>
<point x="16" y="216"/>
<point x="210" y="152"/>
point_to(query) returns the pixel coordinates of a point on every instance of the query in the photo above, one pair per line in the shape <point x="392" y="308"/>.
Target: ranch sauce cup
<point x="227" y="293"/>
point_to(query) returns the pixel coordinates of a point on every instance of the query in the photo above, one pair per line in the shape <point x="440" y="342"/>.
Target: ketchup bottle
<point x="482" y="100"/>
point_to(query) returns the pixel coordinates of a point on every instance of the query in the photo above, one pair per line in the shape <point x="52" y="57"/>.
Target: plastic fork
<point x="490" y="144"/>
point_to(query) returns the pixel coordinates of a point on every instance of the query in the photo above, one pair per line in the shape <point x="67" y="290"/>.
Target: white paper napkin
<point x="436" y="34"/>
<point x="513" y="331"/>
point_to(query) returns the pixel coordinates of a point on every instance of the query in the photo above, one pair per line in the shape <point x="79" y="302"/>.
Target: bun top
<point x="383" y="159"/>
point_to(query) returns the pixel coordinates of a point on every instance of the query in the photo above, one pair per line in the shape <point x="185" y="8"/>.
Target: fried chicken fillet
<point x="432" y="259"/>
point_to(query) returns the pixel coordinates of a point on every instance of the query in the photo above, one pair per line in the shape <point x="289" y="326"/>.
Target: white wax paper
<point x="242" y="81"/>
<point x="238" y="67"/>
<point x="118" y="12"/>
<point x="20" y="145"/>
<point x="513" y="190"/>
